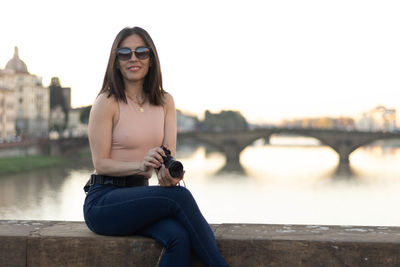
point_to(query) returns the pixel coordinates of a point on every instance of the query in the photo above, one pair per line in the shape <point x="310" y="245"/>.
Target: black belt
<point x="122" y="181"/>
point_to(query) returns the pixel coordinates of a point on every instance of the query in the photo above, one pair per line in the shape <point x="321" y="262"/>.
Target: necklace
<point x="139" y="103"/>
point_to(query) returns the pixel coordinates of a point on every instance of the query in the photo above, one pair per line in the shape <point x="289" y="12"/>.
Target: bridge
<point x="232" y="143"/>
<point x="229" y="143"/>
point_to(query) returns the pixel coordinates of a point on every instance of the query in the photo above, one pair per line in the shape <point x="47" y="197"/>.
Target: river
<point x="291" y="181"/>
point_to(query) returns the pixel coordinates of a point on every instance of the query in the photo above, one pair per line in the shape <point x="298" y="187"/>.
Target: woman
<point x="130" y="120"/>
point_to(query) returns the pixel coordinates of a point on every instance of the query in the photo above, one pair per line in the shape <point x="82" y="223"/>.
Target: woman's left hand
<point x="165" y="178"/>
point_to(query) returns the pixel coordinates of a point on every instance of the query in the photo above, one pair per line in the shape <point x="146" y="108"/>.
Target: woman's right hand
<point x="153" y="159"/>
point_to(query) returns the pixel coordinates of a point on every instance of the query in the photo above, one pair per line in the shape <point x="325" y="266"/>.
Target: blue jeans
<point x="168" y="214"/>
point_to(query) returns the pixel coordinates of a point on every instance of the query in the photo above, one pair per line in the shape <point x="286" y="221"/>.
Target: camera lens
<point x="175" y="168"/>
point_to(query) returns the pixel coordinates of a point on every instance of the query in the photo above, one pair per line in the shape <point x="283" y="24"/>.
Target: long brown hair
<point x="113" y="83"/>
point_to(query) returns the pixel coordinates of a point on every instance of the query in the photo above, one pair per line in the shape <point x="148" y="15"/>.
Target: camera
<point x="175" y="167"/>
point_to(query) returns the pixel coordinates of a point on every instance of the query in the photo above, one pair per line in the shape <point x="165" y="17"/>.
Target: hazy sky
<point x="269" y="59"/>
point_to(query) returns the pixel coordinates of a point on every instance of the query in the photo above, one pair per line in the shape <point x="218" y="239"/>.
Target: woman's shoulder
<point x="105" y="102"/>
<point x="168" y="100"/>
<point x="105" y="99"/>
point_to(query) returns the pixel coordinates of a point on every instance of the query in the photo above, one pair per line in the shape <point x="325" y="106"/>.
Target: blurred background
<point x="287" y="111"/>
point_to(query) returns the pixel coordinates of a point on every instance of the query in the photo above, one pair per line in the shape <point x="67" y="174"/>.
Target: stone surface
<point x="50" y="243"/>
<point x="72" y="244"/>
<point x="12" y="251"/>
<point x="13" y="238"/>
<point x="104" y="251"/>
<point x="309" y="245"/>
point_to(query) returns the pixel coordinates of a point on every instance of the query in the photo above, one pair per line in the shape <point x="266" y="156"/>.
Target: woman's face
<point x="133" y="69"/>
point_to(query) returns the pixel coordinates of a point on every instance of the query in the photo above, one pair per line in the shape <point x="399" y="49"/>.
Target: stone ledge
<point x="59" y="243"/>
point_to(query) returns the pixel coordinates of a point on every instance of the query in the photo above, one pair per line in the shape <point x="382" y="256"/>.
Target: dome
<point x="16" y="64"/>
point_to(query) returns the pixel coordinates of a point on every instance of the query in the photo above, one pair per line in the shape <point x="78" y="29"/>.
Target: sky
<point x="270" y="60"/>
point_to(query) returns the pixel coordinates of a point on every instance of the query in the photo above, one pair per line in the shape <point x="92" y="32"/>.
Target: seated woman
<point x="130" y="121"/>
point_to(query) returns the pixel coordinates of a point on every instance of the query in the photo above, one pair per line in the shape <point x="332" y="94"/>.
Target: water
<point x="283" y="184"/>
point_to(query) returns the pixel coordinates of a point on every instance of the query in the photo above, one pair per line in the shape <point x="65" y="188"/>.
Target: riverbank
<point x="22" y="164"/>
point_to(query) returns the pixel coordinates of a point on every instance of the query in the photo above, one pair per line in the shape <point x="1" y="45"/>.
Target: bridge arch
<point x="232" y="143"/>
<point x="309" y="140"/>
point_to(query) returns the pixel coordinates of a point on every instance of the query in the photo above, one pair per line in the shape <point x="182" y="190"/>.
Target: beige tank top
<point x="137" y="132"/>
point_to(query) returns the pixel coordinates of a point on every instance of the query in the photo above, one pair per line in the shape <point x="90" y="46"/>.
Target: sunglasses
<point x="125" y="53"/>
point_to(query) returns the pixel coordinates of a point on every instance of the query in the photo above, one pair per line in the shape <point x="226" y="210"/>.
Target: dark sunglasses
<point x="125" y="53"/>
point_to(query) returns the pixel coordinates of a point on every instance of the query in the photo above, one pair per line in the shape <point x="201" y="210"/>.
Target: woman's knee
<point x="184" y="193"/>
<point x="182" y="235"/>
<point x="171" y="234"/>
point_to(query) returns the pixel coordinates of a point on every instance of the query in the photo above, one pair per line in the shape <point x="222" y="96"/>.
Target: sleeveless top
<point x="137" y="132"/>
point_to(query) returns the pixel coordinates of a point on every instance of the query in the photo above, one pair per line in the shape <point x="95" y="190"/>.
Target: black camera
<point x="175" y="167"/>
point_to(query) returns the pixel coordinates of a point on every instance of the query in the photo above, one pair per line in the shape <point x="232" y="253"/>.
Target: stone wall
<point x="57" y="243"/>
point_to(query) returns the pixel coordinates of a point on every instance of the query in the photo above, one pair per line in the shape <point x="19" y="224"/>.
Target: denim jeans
<point x="170" y="215"/>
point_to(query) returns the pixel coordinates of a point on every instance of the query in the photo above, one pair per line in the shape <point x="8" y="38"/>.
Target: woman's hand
<point x="153" y="159"/>
<point x="165" y="178"/>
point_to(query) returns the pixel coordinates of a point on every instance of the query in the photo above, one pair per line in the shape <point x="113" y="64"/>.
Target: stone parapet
<point x="59" y="243"/>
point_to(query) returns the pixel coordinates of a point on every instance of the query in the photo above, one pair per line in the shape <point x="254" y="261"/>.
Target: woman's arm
<point x="170" y="124"/>
<point x="163" y="175"/>
<point x="103" y="115"/>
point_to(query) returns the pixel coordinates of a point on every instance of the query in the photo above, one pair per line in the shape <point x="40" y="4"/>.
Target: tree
<point x="58" y="98"/>
<point x="225" y="120"/>
<point x="84" y="116"/>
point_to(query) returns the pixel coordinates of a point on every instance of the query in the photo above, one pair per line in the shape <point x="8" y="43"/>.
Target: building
<point x="185" y="122"/>
<point x="7" y="112"/>
<point x="25" y="99"/>
<point x="342" y="123"/>
<point x="379" y="118"/>
<point x="60" y="105"/>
